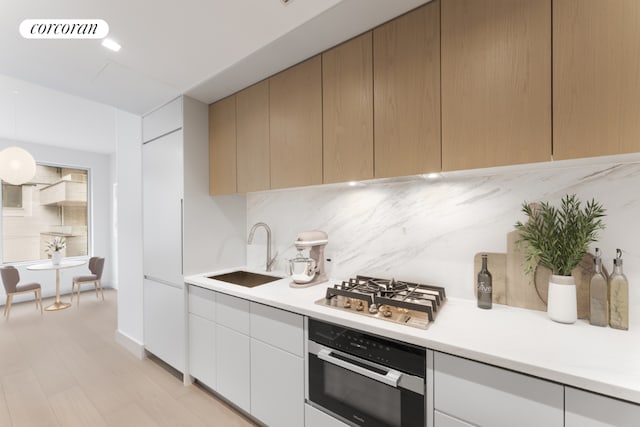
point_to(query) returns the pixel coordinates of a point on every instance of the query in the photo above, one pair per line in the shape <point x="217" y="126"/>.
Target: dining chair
<point x="10" y="280"/>
<point x="96" y="265"/>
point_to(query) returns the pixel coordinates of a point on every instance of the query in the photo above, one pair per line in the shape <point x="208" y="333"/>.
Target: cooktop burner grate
<point x="409" y="303"/>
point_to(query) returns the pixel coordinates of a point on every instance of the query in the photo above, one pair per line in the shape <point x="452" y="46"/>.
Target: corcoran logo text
<point x="64" y="29"/>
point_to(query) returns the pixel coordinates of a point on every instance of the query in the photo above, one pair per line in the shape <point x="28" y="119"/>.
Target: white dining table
<point x="57" y="305"/>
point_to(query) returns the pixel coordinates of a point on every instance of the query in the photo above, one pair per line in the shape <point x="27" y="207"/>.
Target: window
<point x="11" y="195"/>
<point x="54" y="204"/>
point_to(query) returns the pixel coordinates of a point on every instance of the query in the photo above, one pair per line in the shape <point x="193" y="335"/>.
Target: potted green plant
<point x="558" y="238"/>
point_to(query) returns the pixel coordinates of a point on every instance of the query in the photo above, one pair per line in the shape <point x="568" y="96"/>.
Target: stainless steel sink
<point x="245" y="278"/>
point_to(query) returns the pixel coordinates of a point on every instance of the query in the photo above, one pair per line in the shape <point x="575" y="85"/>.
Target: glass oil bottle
<point x="598" y="295"/>
<point x="618" y="295"/>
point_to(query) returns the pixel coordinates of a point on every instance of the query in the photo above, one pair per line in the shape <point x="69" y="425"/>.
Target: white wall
<point x="429" y="230"/>
<point x="100" y="212"/>
<point x="128" y="221"/>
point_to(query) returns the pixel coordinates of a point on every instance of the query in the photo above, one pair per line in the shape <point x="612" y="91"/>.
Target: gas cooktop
<point x="396" y="301"/>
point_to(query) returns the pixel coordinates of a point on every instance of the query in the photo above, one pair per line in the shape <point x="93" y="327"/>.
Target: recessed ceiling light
<point x="110" y="44"/>
<point x="432" y="176"/>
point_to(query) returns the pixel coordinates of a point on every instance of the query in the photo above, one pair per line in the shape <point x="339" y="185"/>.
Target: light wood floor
<point x="65" y="369"/>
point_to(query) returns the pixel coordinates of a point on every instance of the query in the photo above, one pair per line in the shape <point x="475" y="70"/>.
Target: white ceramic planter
<point x="56" y="257"/>
<point x="562" y="303"/>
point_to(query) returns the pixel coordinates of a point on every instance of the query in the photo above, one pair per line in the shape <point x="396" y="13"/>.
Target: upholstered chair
<point x="96" y="265"/>
<point x="10" y="280"/>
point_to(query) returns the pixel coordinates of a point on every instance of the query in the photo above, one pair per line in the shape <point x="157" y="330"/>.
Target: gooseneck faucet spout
<point x="269" y="263"/>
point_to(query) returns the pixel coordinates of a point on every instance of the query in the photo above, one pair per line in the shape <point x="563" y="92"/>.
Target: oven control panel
<point x="384" y="351"/>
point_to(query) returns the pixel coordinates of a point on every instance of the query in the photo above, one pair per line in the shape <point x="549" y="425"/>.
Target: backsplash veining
<point x="429" y="230"/>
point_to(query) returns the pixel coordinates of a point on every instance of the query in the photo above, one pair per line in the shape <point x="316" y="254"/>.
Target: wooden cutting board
<point x="582" y="274"/>
<point x="512" y="286"/>
<point x="520" y="287"/>
<point x="496" y="264"/>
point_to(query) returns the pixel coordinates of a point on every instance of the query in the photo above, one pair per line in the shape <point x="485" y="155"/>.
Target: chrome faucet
<point x="269" y="263"/>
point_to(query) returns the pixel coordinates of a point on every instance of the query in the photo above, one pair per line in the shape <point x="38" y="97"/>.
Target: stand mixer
<point x="308" y="271"/>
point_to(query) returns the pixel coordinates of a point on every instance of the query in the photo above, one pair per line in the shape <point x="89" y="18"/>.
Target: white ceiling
<point x="204" y="48"/>
<point x="33" y="113"/>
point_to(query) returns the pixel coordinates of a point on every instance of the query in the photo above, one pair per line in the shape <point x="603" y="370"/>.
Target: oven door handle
<point x="392" y="377"/>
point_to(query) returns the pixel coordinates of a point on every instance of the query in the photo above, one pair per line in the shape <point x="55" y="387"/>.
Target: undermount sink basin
<point x="245" y="278"/>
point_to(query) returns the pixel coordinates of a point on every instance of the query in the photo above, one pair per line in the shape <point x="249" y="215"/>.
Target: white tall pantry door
<point x="163" y="210"/>
<point x="162" y="186"/>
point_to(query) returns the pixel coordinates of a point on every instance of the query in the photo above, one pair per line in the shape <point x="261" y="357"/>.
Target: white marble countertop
<point x="603" y="360"/>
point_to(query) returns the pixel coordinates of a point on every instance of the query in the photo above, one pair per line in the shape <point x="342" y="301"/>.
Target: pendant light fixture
<point x="17" y="166"/>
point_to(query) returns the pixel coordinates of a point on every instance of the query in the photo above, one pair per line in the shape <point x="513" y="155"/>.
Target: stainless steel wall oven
<point x="365" y="380"/>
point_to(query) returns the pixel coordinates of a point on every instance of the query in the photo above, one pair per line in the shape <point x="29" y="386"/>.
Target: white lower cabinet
<point x="316" y="418"/>
<point x="233" y="363"/>
<point x="484" y="395"/>
<point x="202" y="344"/>
<point x="444" y="420"/>
<point x="277" y="386"/>
<point x="249" y="353"/>
<point x="584" y="409"/>
<point x="164" y="318"/>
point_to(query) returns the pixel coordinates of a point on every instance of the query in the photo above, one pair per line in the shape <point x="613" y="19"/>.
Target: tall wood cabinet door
<point x="295" y="109"/>
<point x="406" y="87"/>
<point x="252" y="115"/>
<point x="496" y="82"/>
<point x="596" y="88"/>
<point x="222" y="146"/>
<point x="347" y="111"/>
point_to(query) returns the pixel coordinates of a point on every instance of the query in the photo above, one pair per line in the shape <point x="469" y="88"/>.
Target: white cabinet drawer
<point x="584" y="409"/>
<point x="162" y="121"/>
<point x="489" y="396"/>
<point x="279" y="328"/>
<point x="316" y="418"/>
<point x="444" y="420"/>
<point x="202" y="302"/>
<point x="233" y="313"/>
<point x="277" y="386"/>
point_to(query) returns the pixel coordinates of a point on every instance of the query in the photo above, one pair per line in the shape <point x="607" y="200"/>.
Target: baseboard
<point x="134" y="347"/>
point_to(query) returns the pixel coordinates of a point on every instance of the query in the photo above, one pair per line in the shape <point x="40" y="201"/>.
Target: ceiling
<point x="206" y="49"/>
<point x="36" y="114"/>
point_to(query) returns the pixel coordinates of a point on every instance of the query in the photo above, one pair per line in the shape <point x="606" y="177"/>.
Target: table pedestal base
<point x="58" y="306"/>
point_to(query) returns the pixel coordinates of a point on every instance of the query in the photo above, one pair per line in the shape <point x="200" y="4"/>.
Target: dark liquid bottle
<point x="485" y="287"/>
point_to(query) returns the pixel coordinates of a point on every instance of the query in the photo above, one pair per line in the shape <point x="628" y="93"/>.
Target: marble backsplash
<point x="428" y="230"/>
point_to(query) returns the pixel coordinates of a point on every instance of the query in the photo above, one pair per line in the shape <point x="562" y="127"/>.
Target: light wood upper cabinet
<point x="252" y="114"/>
<point x="295" y="108"/>
<point x="222" y="147"/>
<point x="406" y="82"/>
<point x="496" y="82"/>
<point x="347" y="105"/>
<point x="596" y="83"/>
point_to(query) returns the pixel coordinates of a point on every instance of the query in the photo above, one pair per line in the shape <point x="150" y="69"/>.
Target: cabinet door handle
<point x="182" y="237"/>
